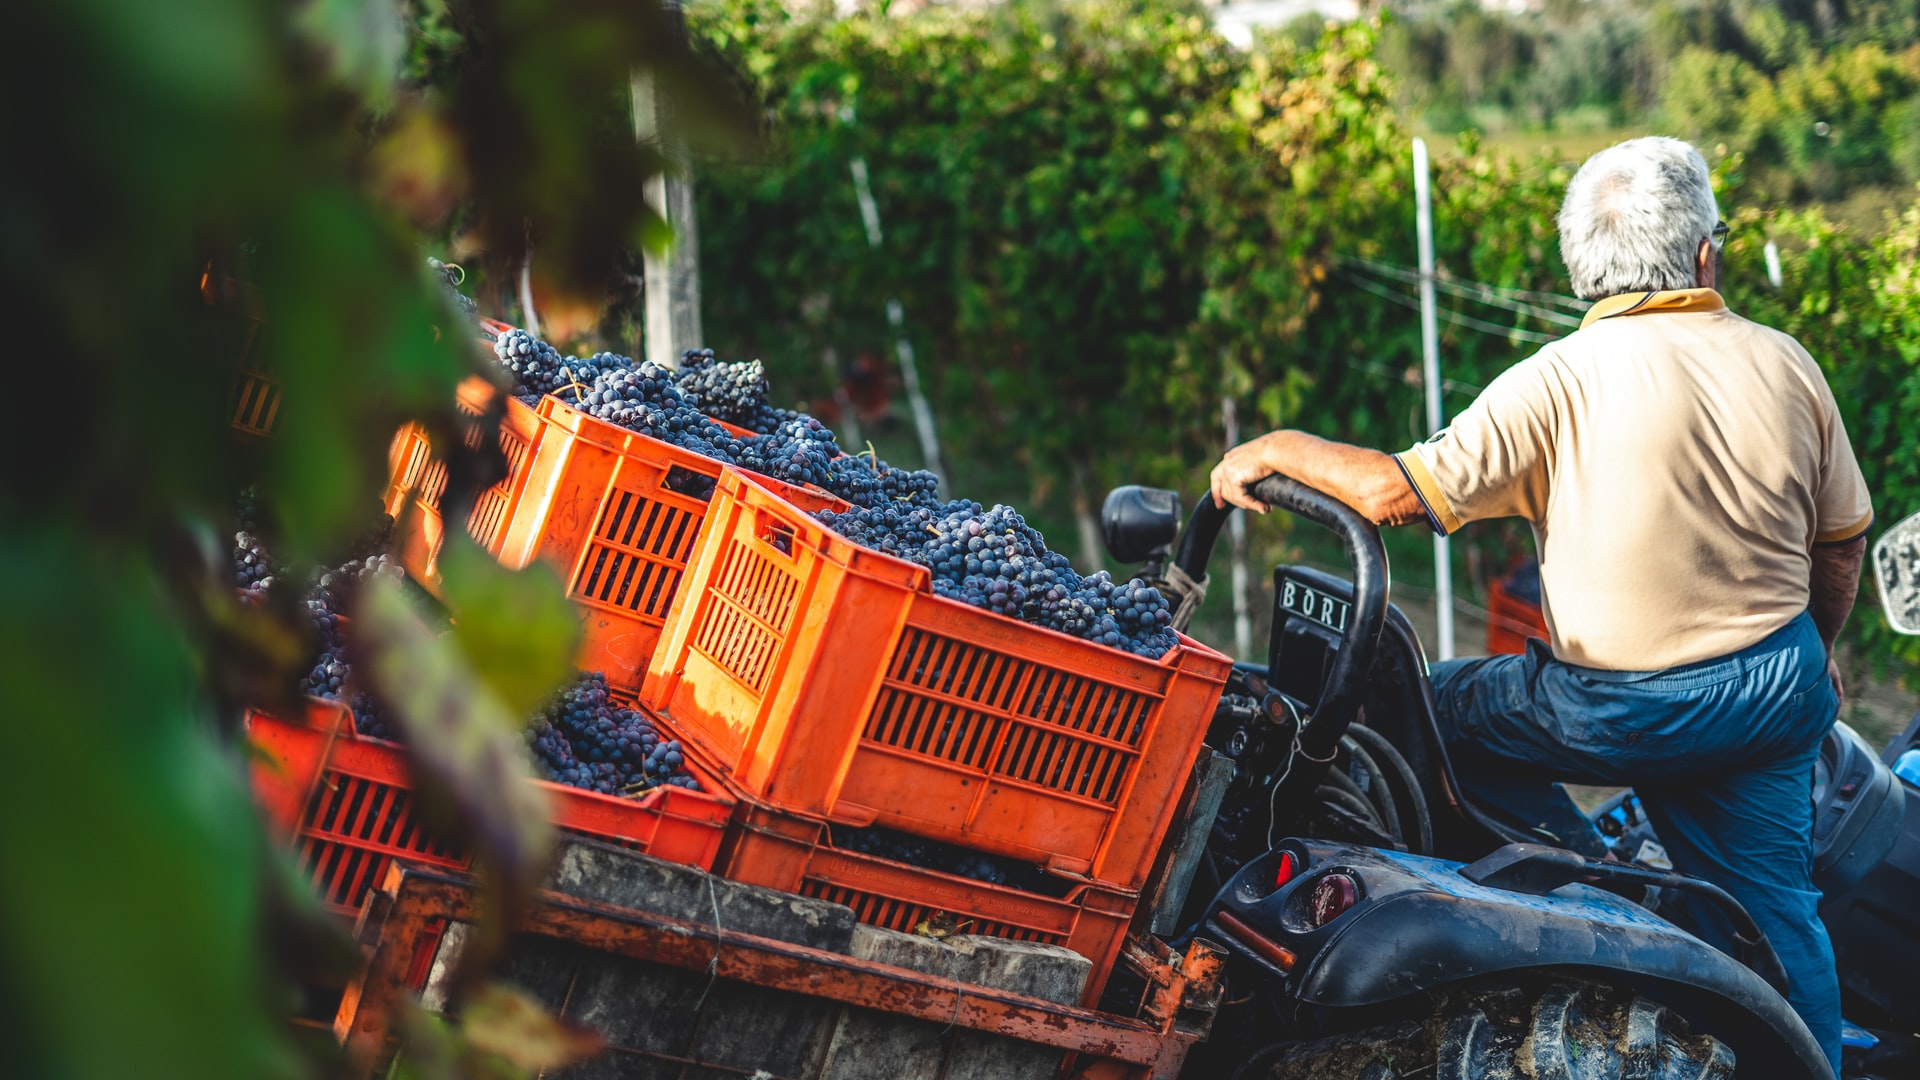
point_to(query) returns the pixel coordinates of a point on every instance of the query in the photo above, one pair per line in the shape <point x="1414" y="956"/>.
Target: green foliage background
<point x="1822" y="97"/>
<point x="1100" y="218"/>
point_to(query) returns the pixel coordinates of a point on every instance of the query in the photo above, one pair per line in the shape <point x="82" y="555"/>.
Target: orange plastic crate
<point x="1511" y="620"/>
<point x="419" y="479"/>
<point x="256" y="402"/>
<point x="827" y="679"/>
<point x="347" y="804"/>
<point x="618" y="514"/>
<point x="794" y="854"/>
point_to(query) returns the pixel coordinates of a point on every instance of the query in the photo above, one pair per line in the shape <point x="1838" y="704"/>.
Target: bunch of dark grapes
<point x="902" y="529"/>
<point x="734" y="392"/>
<point x="916" y="851"/>
<point x="450" y="277"/>
<point x="993" y="559"/>
<point x="862" y="481"/>
<point x="331" y="675"/>
<point x="253" y="569"/>
<point x="327" y="625"/>
<point x="797" y="451"/>
<point x="539" y="368"/>
<point x="852" y="480"/>
<point x="585" y="371"/>
<point x="630" y="396"/>
<point x="373" y="537"/>
<point x="250" y="509"/>
<point x="766" y="418"/>
<point x="332" y="586"/>
<point x="909" y="484"/>
<point x="584" y="740"/>
<point x="646" y="400"/>
<point x="1135" y="616"/>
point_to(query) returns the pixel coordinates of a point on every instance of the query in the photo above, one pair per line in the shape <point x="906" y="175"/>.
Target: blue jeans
<point x="1721" y="753"/>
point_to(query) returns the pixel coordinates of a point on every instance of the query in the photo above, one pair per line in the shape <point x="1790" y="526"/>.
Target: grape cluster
<point x="584" y="740"/>
<point x="735" y="393"/>
<point x="987" y="558"/>
<point x="886" y="843"/>
<point x="797" y="452"/>
<point x="250" y="509"/>
<point x="373" y="538"/>
<point x="678" y="408"/>
<point x="869" y="482"/>
<point x="904" y="530"/>
<point x="650" y="399"/>
<point x="331" y="675"/>
<point x="993" y="559"/>
<point x="253" y="569"/>
<point x="645" y="399"/>
<point x="539" y="368"/>
<point x="450" y="281"/>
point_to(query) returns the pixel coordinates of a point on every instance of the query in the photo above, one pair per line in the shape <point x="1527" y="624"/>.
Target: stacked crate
<point x="348" y="806"/>
<point x="828" y="686"/>
<point x="820" y="687"/>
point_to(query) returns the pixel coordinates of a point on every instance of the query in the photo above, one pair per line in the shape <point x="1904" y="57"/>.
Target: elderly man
<point x="1700" y="521"/>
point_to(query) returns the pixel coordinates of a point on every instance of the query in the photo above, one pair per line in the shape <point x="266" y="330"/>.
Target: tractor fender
<point x="1419" y="926"/>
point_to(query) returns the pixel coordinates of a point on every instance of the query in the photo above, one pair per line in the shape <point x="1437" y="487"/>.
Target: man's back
<point x="1701" y="523"/>
<point x="1677" y="463"/>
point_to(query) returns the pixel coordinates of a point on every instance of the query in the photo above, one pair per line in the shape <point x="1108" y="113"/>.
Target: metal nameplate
<point x="1312" y="604"/>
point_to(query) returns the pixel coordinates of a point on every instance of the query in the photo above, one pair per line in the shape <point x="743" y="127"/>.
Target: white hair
<point x="1634" y="217"/>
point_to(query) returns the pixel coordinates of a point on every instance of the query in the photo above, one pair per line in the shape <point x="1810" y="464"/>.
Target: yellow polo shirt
<point x="1677" y="462"/>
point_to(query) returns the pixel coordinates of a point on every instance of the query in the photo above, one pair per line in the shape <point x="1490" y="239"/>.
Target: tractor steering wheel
<point x="1346" y="688"/>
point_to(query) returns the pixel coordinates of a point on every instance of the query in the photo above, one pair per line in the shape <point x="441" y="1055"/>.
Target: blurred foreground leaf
<point x="470" y="763"/>
<point x="516" y="627"/>
<point x="131" y="935"/>
<point x="501" y="1034"/>
<point x="362" y="42"/>
<point x="503" y="1021"/>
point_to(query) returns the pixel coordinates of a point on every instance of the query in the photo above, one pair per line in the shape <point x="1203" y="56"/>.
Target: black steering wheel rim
<point x="1346" y="687"/>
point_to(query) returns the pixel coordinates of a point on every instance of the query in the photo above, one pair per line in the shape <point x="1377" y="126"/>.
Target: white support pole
<point x="1430" y="369"/>
<point x="850" y="438"/>
<point x="529" y="318"/>
<point x="896" y="319"/>
<point x="671" y="318"/>
<point x="1237" y="532"/>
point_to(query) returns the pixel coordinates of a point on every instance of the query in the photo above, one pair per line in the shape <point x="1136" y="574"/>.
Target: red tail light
<point x="1332" y="895"/>
<point x="1289" y="866"/>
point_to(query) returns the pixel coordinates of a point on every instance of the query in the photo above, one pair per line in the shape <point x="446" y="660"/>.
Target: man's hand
<point x="1245" y="464"/>
<point x="1839" y="691"/>
<point x="1367" y="480"/>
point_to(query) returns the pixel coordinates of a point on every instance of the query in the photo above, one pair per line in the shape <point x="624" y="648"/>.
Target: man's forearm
<point x="1835" y="583"/>
<point x="1367" y="480"/>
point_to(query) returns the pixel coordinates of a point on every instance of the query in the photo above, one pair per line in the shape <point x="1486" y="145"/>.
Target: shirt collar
<point x="1637" y="303"/>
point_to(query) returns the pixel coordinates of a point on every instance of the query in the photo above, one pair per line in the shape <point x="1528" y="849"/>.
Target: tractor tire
<point x="1569" y="1031"/>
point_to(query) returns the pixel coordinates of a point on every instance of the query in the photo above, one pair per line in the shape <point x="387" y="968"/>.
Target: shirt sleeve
<point x="1495" y="459"/>
<point x="1843" y="508"/>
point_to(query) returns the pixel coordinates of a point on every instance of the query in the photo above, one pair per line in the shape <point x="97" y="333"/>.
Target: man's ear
<point x="1705" y="267"/>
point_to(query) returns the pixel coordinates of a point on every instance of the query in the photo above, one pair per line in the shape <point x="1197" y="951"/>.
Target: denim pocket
<point x="1808" y="714"/>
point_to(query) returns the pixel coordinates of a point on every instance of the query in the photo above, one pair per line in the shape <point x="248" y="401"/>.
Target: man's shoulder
<point x="1595" y="341"/>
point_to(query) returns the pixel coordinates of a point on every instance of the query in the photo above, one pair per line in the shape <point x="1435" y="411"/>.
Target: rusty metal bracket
<point x="415" y="900"/>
